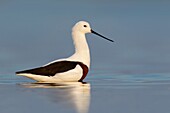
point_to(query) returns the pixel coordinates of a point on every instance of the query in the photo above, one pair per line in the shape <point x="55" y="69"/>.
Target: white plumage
<point x="73" y="68"/>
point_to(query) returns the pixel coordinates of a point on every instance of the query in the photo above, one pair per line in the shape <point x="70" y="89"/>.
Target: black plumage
<point x="52" y="69"/>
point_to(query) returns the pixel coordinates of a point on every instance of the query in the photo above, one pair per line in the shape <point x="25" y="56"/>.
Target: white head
<point x="81" y="47"/>
<point x="84" y="27"/>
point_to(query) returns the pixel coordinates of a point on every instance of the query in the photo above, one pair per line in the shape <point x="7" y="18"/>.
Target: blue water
<point x="102" y="93"/>
<point x="131" y="75"/>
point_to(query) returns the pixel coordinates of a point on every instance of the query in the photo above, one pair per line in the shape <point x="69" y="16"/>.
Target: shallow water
<point x="101" y="93"/>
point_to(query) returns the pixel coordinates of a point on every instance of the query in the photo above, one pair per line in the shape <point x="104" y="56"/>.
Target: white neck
<point x="82" y="53"/>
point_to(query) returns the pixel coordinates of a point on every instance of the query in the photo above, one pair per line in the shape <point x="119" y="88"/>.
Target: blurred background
<point x="35" y="32"/>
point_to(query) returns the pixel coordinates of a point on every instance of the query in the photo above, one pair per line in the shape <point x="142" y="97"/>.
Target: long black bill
<point x="101" y="35"/>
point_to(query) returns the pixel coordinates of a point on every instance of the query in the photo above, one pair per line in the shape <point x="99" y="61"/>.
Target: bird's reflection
<point x="71" y="93"/>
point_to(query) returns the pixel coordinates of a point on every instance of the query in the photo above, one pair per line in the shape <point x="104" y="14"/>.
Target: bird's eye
<point x="85" y="25"/>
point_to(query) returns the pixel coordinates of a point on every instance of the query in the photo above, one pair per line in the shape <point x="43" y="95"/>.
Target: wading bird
<point x="73" y="68"/>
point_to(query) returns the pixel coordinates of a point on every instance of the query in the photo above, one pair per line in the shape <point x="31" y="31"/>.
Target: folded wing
<point x="51" y="69"/>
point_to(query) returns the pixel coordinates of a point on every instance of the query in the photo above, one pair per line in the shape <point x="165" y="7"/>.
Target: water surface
<point x="101" y="93"/>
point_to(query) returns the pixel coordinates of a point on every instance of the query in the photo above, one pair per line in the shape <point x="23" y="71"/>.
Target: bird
<point x="71" y="69"/>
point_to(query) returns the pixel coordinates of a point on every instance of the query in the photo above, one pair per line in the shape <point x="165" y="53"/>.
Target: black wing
<point x="52" y="69"/>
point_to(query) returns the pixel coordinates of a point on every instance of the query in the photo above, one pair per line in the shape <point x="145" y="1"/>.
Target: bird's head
<point x="84" y="27"/>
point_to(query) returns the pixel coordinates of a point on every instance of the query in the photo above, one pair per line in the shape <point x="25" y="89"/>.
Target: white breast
<point x="71" y="75"/>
